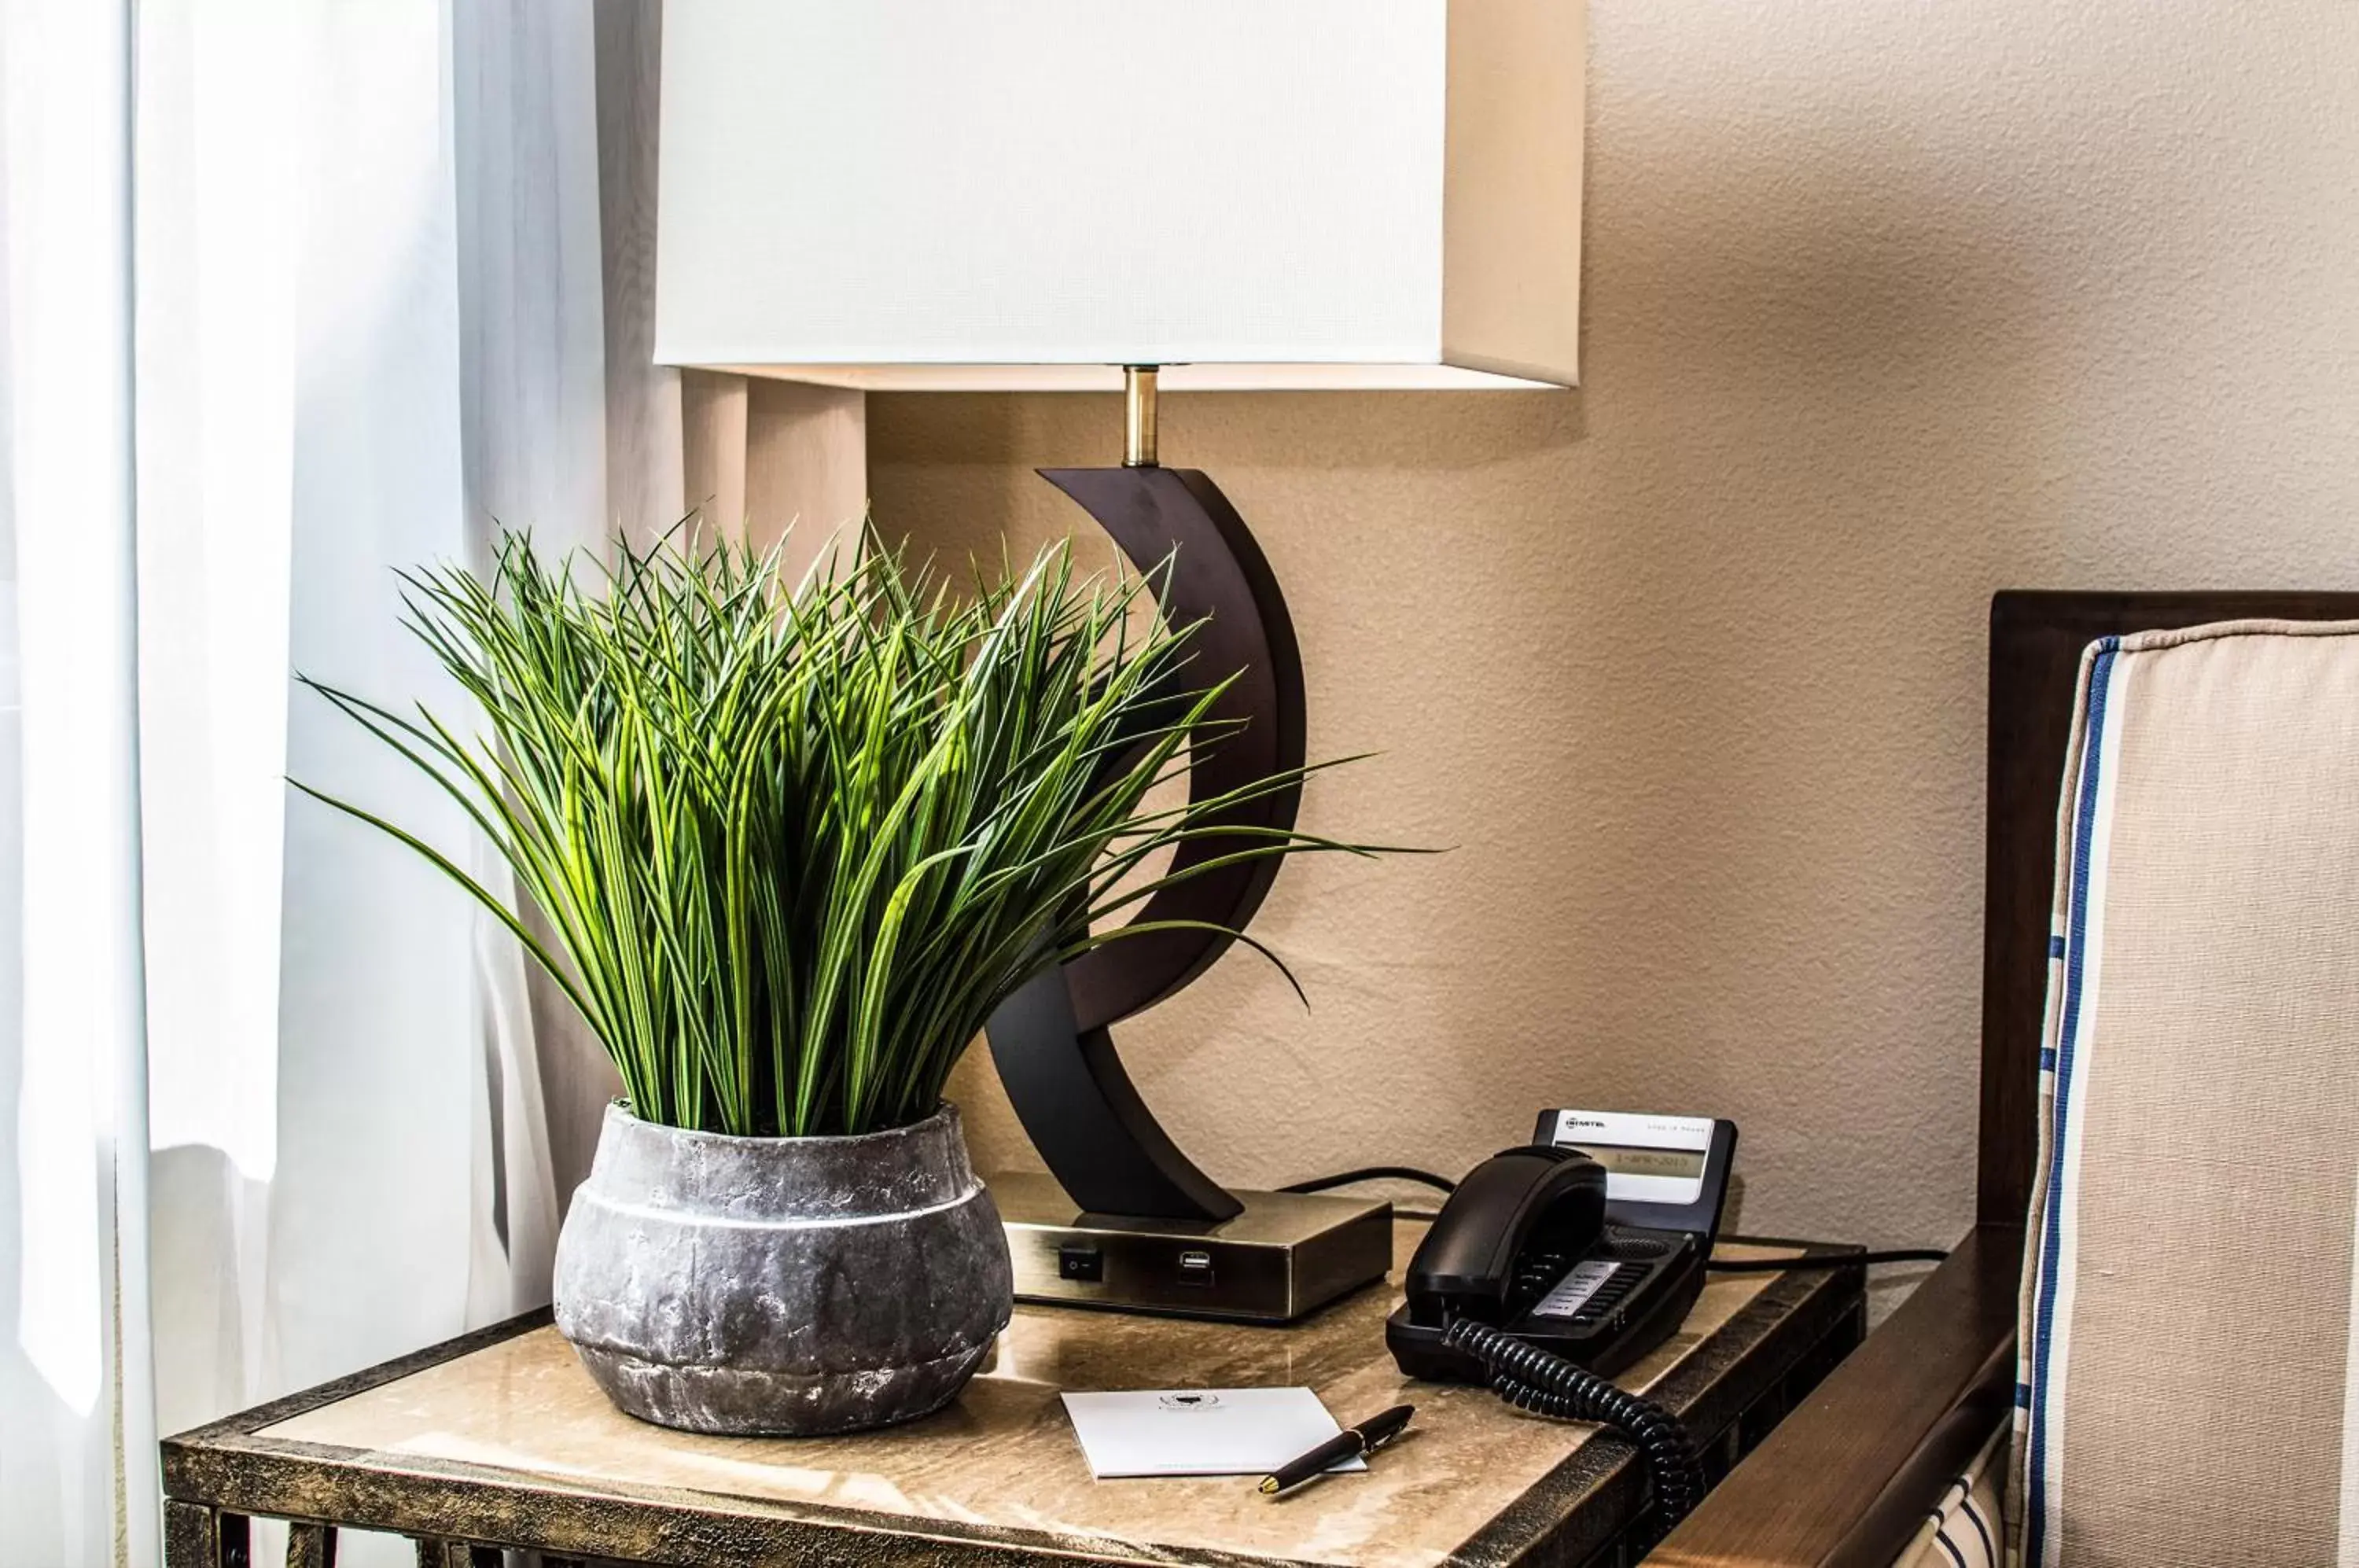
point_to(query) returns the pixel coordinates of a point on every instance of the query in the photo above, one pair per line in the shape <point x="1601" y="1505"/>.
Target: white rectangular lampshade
<point x="1029" y="193"/>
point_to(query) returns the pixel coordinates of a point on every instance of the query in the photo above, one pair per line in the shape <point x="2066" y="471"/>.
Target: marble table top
<point x="1474" y="1481"/>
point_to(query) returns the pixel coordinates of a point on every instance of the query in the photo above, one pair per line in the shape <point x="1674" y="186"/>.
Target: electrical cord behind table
<point x="1823" y="1260"/>
<point x="1380" y="1173"/>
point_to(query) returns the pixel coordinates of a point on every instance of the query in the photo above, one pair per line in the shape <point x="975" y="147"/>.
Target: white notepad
<point x="1199" y="1431"/>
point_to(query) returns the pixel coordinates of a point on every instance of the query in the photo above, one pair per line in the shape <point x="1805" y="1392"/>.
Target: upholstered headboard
<point x="2036" y="641"/>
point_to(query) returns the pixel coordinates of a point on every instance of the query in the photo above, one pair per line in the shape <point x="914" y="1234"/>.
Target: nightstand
<point x="499" y="1439"/>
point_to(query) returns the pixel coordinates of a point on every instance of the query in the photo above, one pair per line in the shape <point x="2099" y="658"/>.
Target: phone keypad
<point x="1608" y="1296"/>
<point x="1589" y="1293"/>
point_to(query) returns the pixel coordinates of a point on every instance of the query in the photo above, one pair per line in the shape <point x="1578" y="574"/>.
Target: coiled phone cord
<point x="1534" y="1379"/>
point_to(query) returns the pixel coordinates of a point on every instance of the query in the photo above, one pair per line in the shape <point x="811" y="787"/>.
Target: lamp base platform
<point x="1286" y="1255"/>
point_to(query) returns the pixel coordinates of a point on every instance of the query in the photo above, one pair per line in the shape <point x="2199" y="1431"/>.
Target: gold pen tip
<point x="1269" y="1484"/>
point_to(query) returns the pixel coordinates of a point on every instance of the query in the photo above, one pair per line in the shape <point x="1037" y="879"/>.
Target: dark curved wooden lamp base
<point x="1052" y="1040"/>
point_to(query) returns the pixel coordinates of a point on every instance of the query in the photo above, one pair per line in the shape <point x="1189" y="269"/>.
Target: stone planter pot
<point x="787" y="1286"/>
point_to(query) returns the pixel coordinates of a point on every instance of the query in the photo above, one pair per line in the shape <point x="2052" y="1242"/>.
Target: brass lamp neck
<point x="1138" y="416"/>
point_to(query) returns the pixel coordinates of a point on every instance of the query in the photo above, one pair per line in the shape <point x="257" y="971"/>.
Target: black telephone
<point x="1556" y="1264"/>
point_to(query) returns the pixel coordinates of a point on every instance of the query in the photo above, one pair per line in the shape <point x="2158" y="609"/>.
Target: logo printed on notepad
<point x="1187" y="1401"/>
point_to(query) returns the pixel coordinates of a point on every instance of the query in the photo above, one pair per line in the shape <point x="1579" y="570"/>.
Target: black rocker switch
<point x="1079" y="1260"/>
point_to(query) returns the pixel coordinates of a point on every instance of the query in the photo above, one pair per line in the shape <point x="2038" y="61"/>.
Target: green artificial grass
<point x="792" y="847"/>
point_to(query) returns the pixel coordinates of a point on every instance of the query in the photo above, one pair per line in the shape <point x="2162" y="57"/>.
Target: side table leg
<point x="198" y="1537"/>
<point x="455" y="1555"/>
<point x="310" y="1546"/>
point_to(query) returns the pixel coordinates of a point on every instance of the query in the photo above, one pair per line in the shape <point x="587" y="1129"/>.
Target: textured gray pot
<point x="787" y="1285"/>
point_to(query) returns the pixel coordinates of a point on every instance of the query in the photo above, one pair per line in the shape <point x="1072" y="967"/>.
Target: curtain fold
<point x="534" y="379"/>
<point x="73" y="1361"/>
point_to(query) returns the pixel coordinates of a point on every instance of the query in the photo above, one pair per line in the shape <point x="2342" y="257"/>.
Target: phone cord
<point x="1547" y="1384"/>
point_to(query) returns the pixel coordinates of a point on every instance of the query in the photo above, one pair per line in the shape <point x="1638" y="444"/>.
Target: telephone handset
<point x="1559" y="1263"/>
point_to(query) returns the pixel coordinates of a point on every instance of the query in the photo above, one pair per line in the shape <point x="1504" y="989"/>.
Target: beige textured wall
<point x="1888" y="305"/>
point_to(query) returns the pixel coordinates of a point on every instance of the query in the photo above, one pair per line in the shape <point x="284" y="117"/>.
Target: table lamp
<point x="1150" y="195"/>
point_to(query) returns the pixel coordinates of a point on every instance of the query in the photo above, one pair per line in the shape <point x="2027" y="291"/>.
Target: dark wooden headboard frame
<point x="1848" y="1478"/>
<point x="2036" y="643"/>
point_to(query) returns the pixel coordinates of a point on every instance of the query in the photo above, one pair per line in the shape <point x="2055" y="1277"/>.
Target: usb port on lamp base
<point x="1195" y="1267"/>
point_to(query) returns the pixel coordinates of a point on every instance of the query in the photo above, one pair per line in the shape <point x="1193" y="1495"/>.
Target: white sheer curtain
<point x="327" y="284"/>
<point x="73" y="1369"/>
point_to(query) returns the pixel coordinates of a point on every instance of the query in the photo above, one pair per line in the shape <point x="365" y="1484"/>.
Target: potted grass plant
<point x="790" y="847"/>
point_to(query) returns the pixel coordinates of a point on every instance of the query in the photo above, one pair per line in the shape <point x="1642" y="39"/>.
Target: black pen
<point x="1351" y="1442"/>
